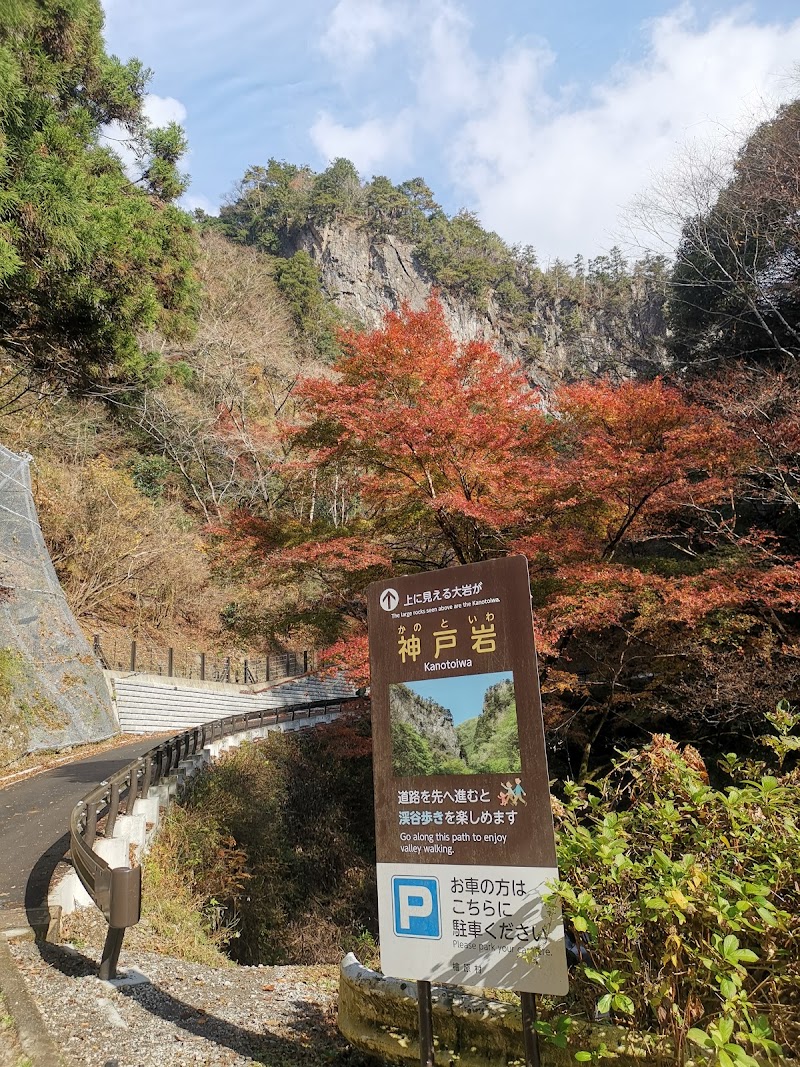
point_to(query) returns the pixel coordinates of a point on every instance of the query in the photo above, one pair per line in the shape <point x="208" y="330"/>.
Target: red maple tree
<point x="424" y="452"/>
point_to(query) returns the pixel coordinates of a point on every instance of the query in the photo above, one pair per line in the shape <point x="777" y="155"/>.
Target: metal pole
<point x="530" y="1036"/>
<point x="425" y="1024"/>
<point x="110" y="957"/>
<point x="202" y="666"/>
<point x="133" y="656"/>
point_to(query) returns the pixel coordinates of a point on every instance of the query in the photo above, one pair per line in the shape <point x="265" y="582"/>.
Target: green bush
<point x="195" y="880"/>
<point x="685" y="899"/>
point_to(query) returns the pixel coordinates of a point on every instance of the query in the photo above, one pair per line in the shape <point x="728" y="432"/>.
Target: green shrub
<point x="195" y="880"/>
<point x="687" y="900"/>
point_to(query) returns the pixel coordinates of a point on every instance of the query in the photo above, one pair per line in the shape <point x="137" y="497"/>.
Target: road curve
<point x="34" y="821"/>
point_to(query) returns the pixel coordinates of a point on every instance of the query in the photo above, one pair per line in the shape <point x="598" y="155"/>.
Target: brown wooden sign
<point x="462" y="804"/>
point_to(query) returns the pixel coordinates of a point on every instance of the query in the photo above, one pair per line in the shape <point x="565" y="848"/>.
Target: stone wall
<point x="378" y="1014"/>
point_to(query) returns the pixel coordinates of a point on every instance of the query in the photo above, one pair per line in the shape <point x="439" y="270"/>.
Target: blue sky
<point x="547" y="119"/>
<point x="463" y="696"/>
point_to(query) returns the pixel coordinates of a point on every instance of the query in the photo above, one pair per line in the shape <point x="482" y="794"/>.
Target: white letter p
<point x="416" y="902"/>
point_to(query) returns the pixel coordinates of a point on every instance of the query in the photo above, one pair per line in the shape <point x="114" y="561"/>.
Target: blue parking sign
<point x="415" y="906"/>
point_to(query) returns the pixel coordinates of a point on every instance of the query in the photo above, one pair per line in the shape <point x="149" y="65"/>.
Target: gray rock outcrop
<point x="367" y="274"/>
<point x="427" y="718"/>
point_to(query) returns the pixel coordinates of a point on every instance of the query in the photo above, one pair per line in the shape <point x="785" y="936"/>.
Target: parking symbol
<point x="415" y="905"/>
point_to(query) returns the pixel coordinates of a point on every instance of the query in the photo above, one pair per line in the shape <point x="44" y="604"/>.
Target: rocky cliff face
<point x="367" y="274"/>
<point x="427" y="718"/>
<point x="496" y="702"/>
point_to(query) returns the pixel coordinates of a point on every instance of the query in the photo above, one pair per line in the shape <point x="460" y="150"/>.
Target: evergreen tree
<point x="735" y="288"/>
<point x="88" y="257"/>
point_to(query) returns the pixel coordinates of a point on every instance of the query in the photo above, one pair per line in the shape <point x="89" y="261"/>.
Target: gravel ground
<point x="186" y="1013"/>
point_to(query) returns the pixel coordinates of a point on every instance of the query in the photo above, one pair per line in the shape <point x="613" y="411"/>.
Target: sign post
<point x="465" y="844"/>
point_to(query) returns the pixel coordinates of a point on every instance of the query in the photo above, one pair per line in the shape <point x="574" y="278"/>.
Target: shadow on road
<point x="38" y="884"/>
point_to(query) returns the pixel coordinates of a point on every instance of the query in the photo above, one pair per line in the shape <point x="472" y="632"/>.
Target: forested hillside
<point x="226" y="455"/>
<point x="237" y="423"/>
<point x="376" y="245"/>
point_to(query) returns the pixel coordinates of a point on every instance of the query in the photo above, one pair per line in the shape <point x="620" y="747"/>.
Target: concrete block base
<point x="379" y="1015"/>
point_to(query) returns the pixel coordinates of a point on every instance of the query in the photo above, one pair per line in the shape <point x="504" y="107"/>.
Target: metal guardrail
<point x="117" y="891"/>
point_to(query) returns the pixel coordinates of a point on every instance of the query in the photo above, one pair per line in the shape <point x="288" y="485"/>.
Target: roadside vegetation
<point x="678" y="880"/>
<point x="682" y="895"/>
<point x="272" y="856"/>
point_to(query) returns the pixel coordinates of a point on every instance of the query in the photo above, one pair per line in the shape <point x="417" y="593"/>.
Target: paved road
<point x="34" y="821"/>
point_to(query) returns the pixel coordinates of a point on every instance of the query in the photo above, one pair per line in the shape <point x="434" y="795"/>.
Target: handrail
<point x="117" y="891"/>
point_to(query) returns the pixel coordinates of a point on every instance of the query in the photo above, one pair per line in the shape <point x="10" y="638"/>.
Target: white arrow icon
<point x="389" y="599"/>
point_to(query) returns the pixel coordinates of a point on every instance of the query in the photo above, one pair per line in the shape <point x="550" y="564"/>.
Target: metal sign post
<point x="465" y="843"/>
<point x="530" y="1037"/>
<point x="425" y="1010"/>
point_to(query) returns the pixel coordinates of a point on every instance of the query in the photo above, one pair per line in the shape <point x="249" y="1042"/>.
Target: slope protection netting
<point x="52" y="692"/>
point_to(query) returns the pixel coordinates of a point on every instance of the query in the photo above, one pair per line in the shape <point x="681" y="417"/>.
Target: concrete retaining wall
<point x="379" y="1015"/>
<point x="149" y="703"/>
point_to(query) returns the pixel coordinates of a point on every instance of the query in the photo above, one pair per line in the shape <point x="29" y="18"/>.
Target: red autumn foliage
<point x="446" y="434"/>
<point x="638" y="452"/>
<point x="623" y="497"/>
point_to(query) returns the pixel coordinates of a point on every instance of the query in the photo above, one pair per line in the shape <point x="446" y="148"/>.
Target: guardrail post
<point x="133" y="656"/>
<point x="113" y="809"/>
<point x="133" y="788"/>
<point x="110" y="957"/>
<point x="148" y="774"/>
<point x="90" y="833"/>
<point x="125" y="907"/>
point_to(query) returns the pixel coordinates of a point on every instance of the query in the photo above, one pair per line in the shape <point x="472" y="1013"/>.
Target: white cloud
<point x="559" y="179"/>
<point x="357" y="28"/>
<point x="448" y="81"/>
<point x="371" y="145"/>
<point x="542" y="166"/>
<point x="195" y="201"/>
<point x="159" y="111"/>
